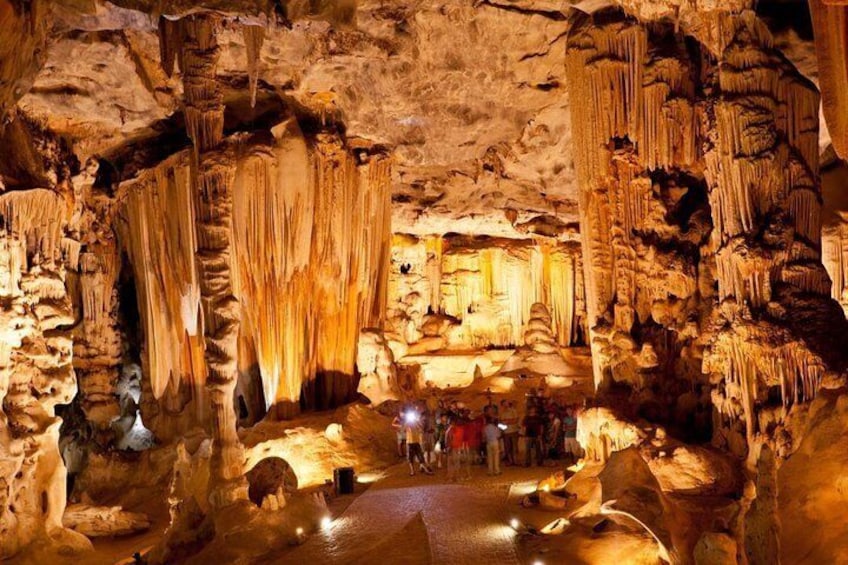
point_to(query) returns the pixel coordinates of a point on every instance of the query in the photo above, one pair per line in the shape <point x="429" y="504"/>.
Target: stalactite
<point x="157" y="230"/>
<point x="170" y="39"/>
<point x="562" y="290"/>
<point x="318" y="220"/>
<point x="754" y="357"/>
<point x="433" y="248"/>
<point x="835" y="259"/>
<point x="36" y="371"/>
<point x="349" y="257"/>
<point x="299" y="284"/>
<point x="254" y="37"/>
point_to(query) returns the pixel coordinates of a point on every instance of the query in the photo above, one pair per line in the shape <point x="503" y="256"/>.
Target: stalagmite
<point x="375" y="363"/>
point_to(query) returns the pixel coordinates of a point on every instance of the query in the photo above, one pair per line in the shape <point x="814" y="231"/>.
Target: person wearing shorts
<point x="414" y="437"/>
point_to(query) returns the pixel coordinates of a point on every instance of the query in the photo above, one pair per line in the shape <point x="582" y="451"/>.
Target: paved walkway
<point x="422" y="520"/>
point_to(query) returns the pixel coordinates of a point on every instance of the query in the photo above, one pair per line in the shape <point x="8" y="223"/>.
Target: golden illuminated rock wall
<point x="314" y="215"/>
<point x="762" y="172"/>
<point x="641" y="201"/>
<point x="487" y="285"/>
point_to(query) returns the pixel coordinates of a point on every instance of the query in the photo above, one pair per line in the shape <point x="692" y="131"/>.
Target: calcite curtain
<point x="311" y="237"/>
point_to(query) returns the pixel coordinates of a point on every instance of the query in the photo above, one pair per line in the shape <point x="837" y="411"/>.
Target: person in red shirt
<point x="455" y="440"/>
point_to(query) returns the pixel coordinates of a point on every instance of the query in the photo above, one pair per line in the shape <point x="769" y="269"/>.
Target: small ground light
<point x="538" y="562"/>
<point x="299" y="531"/>
<point x="514" y="523"/>
<point x="326" y="521"/>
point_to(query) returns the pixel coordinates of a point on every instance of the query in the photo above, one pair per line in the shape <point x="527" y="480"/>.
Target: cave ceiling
<point x="469" y="96"/>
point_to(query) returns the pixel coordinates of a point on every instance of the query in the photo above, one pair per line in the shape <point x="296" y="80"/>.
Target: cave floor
<point x="424" y="519"/>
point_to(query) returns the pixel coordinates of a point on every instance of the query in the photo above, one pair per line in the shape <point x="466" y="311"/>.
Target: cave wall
<point x="487" y="285"/>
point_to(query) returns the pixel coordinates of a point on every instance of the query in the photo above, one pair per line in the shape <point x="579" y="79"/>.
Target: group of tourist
<point x="436" y="433"/>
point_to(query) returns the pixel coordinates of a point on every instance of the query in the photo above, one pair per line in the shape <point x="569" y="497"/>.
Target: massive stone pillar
<point x="212" y="181"/>
<point x="731" y="123"/>
<point x="776" y="329"/>
<point x="679" y="142"/>
<point x="193" y="41"/>
<point x="641" y="200"/>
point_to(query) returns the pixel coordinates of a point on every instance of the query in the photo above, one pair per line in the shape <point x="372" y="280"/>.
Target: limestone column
<point x="194" y="40"/>
<point x="776" y="328"/>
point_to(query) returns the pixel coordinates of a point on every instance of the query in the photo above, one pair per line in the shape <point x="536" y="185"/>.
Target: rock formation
<point x="487" y="285"/>
<point x="540" y="354"/>
<point x="36" y="370"/>
<point x="224" y="222"/>
<point x="760" y="213"/>
<point x="98" y="349"/>
<point x="830" y="23"/>
<point x="375" y="364"/>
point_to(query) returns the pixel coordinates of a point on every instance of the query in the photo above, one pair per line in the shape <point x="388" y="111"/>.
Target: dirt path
<point x="422" y="520"/>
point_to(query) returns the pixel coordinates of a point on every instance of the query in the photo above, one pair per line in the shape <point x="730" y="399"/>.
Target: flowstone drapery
<point x="642" y="208"/>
